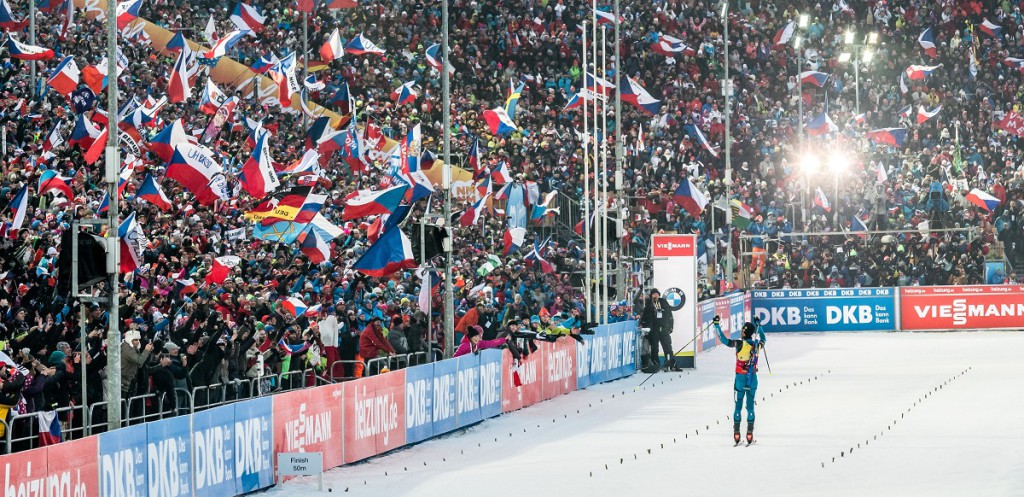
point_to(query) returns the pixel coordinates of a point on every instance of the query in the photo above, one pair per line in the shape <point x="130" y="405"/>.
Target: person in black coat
<point x="658" y="317"/>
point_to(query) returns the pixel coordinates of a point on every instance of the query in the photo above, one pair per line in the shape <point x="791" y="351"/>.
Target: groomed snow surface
<point x="929" y="414"/>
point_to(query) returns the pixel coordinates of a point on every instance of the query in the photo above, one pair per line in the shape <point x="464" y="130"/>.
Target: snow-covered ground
<point x="929" y="414"/>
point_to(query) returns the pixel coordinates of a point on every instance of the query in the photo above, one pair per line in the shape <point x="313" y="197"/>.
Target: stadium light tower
<point x="859" y="53"/>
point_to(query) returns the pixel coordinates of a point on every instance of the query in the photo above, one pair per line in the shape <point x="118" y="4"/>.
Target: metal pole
<point x="305" y="61"/>
<point x="32" y="41"/>
<point x="586" y="187"/>
<point x="112" y="163"/>
<point x="446" y="123"/>
<point x="727" y="92"/>
<point x="856" y="79"/>
<point x="81" y="317"/>
<point x="594" y="302"/>
<point x="619" y="162"/>
<point x="800" y="126"/>
<point x="835" y="208"/>
<point x="426" y="281"/>
<point x="604" y="184"/>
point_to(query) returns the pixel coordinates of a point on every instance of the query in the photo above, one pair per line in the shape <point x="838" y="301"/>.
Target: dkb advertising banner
<point x="827" y="309"/>
<point x="123" y="461"/>
<point x="169" y="457"/>
<point x="964" y="307"/>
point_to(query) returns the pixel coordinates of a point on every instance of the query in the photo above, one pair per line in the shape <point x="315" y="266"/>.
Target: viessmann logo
<point x="959" y="311"/>
<point x="675" y="246"/>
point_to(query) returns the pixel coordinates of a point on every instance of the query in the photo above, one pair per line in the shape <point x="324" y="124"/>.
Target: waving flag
<point x="927" y="41"/>
<point x="257" y="176"/>
<point x="221" y="268"/>
<point x="983" y="200"/>
<point x="151" y="192"/>
<point x="84" y="133"/>
<point x="53" y="138"/>
<point x="924" y="115"/>
<point x="226" y="43"/>
<point x="317" y="249"/>
<point x="905" y="111"/>
<point x="578" y="99"/>
<point x="404" y="94"/>
<point x="7" y="22"/>
<point x="889" y="136"/>
<point x="690" y="198"/>
<point x="857" y="225"/>
<point x="814" y="78"/>
<point x="164" y="143"/>
<point x="544" y="208"/>
<point x="194" y="167"/>
<point x="350" y="151"/>
<point x="916" y="72"/>
<point x="343" y="100"/>
<point x="332" y="49"/>
<point x="265" y="63"/>
<point x="603" y="17"/>
<point x="499" y="122"/>
<point x="361" y="45"/>
<point x="535" y="258"/>
<point x="514" y="238"/>
<point x="635" y="94"/>
<point x="821" y="125"/>
<point x="368" y="203"/>
<point x="179" y="85"/>
<point x="50" y="181"/>
<point x="472" y="214"/>
<point x="991" y="29"/>
<point x="312" y="84"/>
<point x="246" y="17"/>
<point x="133" y="243"/>
<point x="597" y="85"/>
<point x="821" y="200"/>
<point x="19" y="206"/>
<point x="704" y="141"/>
<point x="391" y="252"/>
<point x="500" y="175"/>
<point x="49" y="428"/>
<point x="177" y="43"/>
<point x="284" y="205"/>
<point x="294" y="305"/>
<point x="96" y="149"/>
<point x="212" y="98"/>
<point x="783" y="36"/>
<point x="669" y="46"/>
<point x="127" y="12"/>
<point x="434" y="57"/>
<point x="22" y="51"/>
<point x="309" y="162"/>
<point x="65" y="77"/>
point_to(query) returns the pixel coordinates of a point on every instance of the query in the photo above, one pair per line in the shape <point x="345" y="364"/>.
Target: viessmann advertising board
<point x="961" y="307"/>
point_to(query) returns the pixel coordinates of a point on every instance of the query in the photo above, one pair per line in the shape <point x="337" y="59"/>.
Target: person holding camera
<point x="657" y="316"/>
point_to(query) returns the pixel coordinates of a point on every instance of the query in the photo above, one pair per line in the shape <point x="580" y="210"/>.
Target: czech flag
<point x="133" y="243"/>
<point x="670" y="45"/>
<point x="607" y="18"/>
<point x="164" y="143"/>
<point x="7" y="22"/>
<point x="689" y="197"/>
<point x="127" y="12"/>
<point x="924" y="115"/>
<point x="332" y="49"/>
<point x="177" y="43"/>
<point x="814" y="78"/>
<point x="49" y="428"/>
<point x="343" y="100"/>
<point x="266" y="63"/>
<point x="927" y="41"/>
<point x="499" y="122"/>
<point x="993" y="30"/>
<point x="179" y="85"/>
<point x="368" y="203"/>
<point x="821" y="200"/>
<point x="360" y="45"/>
<point x="246" y="17"/>
<point x="474" y="157"/>
<point x="638" y="96"/>
<point x="22" y="51"/>
<point x="544" y="208"/>
<point x="50" y="180"/>
<point x="500" y="175"/>
<point x="704" y="142"/>
<point x="257" y="176"/>
<point x="194" y="167"/>
<point x="221" y="268"/>
<point x="212" y="98"/>
<point x="404" y="94"/>
<point x="916" y="72"/>
<point x="93" y="153"/>
<point x="53" y="138"/>
<point x="226" y="43"/>
<point x="316" y="248"/>
<point x="857" y="224"/>
<point x="905" y="111"/>
<point x="391" y="252"/>
<point x="19" y="206"/>
<point x="983" y="200"/>
<point x="576" y="101"/>
<point x="84" y="133"/>
<point x="783" y="36"/>
<point x="1014" y="63"/>
<point x="65" y="77"/>
<point x="472" y="214"/>
<point x="890" y="136"/>
<point x="514" y="238"/>
<point x="534" y="258"/>
<point x="151" y="192"/>
<point x="294" y="305"/>
<point x="821" y="125"/>
<point x="434" y="57"/>
<point x="598" y="85"/>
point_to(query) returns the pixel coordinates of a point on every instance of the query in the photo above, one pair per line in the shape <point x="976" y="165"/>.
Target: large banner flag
<point x="194" y="167"/>
<point x="133" y="243"/>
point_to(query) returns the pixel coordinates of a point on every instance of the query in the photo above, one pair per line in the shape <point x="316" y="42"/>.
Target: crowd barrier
<point x="230" y="449"/>
<point x="972" y="307"/>
<point x="734" y="309"/>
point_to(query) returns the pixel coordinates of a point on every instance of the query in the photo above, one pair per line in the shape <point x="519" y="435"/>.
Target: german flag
<point x="284" y="206"/>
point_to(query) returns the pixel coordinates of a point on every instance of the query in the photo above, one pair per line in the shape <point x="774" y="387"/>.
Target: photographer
<point x="658" y="317"/>
<point x="133" y="357"/>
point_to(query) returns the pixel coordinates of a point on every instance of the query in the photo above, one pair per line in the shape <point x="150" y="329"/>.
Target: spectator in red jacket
<point x="372" y="344"/>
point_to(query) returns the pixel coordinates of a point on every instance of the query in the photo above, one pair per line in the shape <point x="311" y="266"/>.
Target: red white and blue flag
<point x="84" y="133"/>
<point x="404" y="94"/>
<point x="990" y="28"/>
<point x="127" y="12"/>
<point x="316" y="248"/>
<point x="151" y="192"/>
<point x="815" y="78"/>
<point x="7" y="22"/>
<point x="332" y="49"/>
<point x="65" y="77"/>
<point x="368" y="203"/>
<point x="179" y="85"/>
<point x="246" y="17"/>
<point x="194" y="167"/>
<point x="514" y="238"/>
<point x="53" y="138"/>
<point x="257" y="176"/>
<point x="434" y="57"/>
<point x="212" y="98"/>
<point x="361" y="45"/>
<point x="669" y="46"/>
<point x="821" y="125"/>
<point x="785" y="34"/>
<point x="133" y="243"/>
<point x="164" y="143"/>
<point x="635" y="94"/>
<point x="924" y="115"/>
<point x="821" y="200"/>
<point x="19" y="206"/>
<point x="916" y="72"/>
<point x="221" y="268"/>
<point x="603" y="17"/>
<point x="689" y="197"/>
<point x="49" y="428"/>
<point x="890" y="136"/>
<point x="226" y="43"/>
<point x="927" y="41"/>
<point x="51" y="181"/>
<point x="983" y="200"/>
<point x="391" y="252"/>
<point x="24" y="51"/>
<point x="704" y="142"/>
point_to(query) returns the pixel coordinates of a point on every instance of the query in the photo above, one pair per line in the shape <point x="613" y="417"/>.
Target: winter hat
<point x="56" y="358"/>
<point x="473" y="331"/>
<point x="132" y="335"/>
<point x="171" y="346"/>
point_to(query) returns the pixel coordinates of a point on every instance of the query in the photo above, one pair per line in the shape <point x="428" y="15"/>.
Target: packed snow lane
<point x="932" y="414"/>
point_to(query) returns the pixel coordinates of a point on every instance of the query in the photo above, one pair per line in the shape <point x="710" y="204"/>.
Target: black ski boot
<point x="736" y="432"/>
<point x="750" y="432"/>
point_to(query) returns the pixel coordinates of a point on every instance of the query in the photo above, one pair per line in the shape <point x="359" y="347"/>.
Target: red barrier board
<point x="964" y="307"/>
<point x="25" y="472"/>
<point x="73" y="468"/>
<point x="310" y="421"/>
<point x="559" y="368"/>
<point x="530" y="371"/>
<point x="374" y="415"/>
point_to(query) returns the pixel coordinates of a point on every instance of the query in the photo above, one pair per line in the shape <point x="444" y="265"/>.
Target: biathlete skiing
<point x="745" y="385"/>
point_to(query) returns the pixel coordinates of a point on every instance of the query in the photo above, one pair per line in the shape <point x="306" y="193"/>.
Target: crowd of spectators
<point x="240" y="329"/>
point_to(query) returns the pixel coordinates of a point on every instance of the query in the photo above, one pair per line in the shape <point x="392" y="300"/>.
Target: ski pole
<point x="676" y="352"/>
<point x="764" y="350"/>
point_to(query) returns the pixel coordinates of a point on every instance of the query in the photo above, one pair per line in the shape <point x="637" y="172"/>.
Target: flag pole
<point x="620" y="269"/>
<point x="586" y="186"/>
<point x="32" y="41"/>
<point x="305" y="61"/>
<point x="113" y="387"/>
<point x="604" y="186"/>
<point x="449" y="298"/>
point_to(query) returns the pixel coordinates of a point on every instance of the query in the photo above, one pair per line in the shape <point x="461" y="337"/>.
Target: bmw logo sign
<point x="676" y="299"/>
